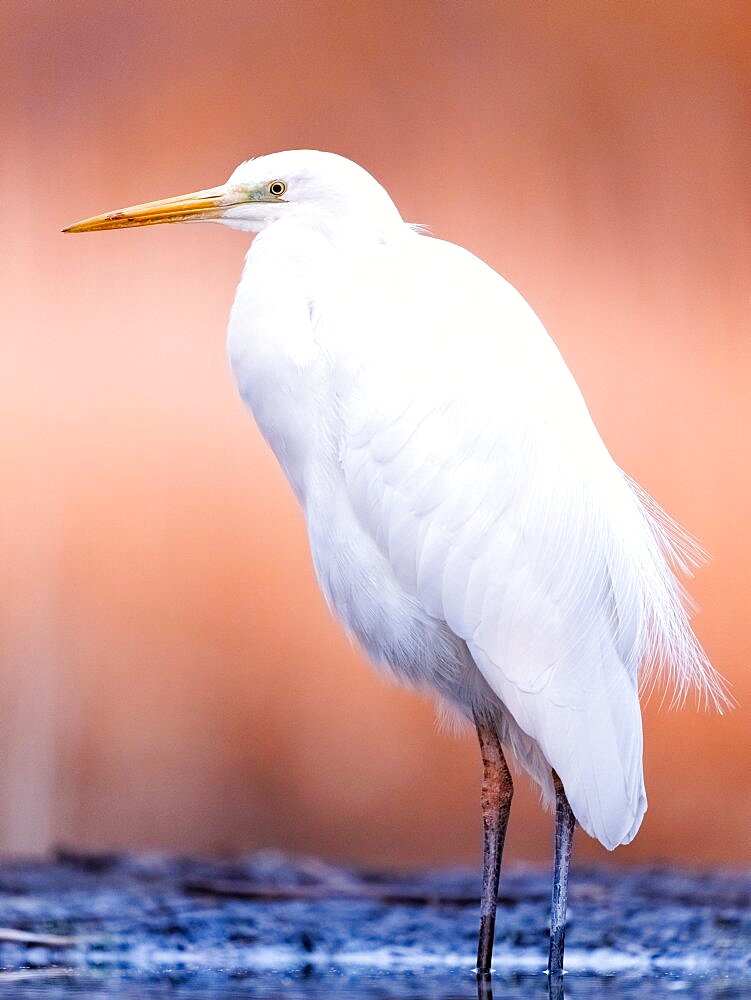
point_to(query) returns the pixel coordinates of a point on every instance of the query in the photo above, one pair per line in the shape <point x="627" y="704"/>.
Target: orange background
<point x="170" y="676"/>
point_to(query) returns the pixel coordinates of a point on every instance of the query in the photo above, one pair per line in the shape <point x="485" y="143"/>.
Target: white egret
<point x="466" y="522"/>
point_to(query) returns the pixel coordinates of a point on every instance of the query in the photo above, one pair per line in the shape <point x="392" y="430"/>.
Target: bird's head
<point x="305" y="183"/>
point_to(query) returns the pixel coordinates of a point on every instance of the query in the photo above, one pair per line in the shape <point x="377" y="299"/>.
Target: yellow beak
<point x="198" y="206"/>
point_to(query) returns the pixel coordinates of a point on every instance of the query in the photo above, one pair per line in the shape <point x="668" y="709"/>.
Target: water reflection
<point x="63" y="984"/>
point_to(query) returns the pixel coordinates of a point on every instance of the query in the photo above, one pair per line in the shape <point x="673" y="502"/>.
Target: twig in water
<point x="29" y="937"/>
<point x="45" y="973"/>
<point x="252" y="890"/>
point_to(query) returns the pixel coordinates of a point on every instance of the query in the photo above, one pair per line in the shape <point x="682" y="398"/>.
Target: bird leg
<point x="564" y="838"/>
<point x="484" y="986"/>
<point x="555" y="988"/>
<point x="497" y="790"/>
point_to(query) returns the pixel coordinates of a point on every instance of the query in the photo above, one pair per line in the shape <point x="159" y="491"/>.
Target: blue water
<point x="57" y="985"/>
<point x="136" y="928"/>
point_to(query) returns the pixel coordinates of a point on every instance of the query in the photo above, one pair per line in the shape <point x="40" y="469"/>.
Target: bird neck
<point x="272" y="344"/>
<point x="330" y="233"/>
<point x="284" y="329"/>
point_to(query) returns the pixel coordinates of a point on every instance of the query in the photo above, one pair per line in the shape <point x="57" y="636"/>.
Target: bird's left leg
<point x="497" y="791"/>
<point x="564" y="837"/>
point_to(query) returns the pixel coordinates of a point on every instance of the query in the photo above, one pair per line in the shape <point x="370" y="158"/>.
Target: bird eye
<point x="277" y="188"/>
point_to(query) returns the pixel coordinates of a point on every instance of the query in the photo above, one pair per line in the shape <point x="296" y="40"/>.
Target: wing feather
<point x="500" y="510"/>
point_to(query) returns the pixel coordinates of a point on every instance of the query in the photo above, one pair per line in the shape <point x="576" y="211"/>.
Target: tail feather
<point x="669" y="654"/>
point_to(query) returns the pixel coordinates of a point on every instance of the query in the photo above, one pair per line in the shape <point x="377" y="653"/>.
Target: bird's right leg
<point x="497" y="791"/>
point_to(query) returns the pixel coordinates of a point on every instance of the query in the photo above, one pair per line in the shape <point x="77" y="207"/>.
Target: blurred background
<point x="169" y="674"/>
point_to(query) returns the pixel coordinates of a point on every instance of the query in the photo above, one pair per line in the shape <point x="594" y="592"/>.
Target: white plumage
<point x="466" y="522"/>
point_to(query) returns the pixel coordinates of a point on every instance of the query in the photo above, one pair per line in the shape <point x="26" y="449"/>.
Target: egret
<point x="466" y="522"/>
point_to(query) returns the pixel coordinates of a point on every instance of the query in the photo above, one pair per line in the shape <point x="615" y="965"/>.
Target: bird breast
<point x="289" y="356"/>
